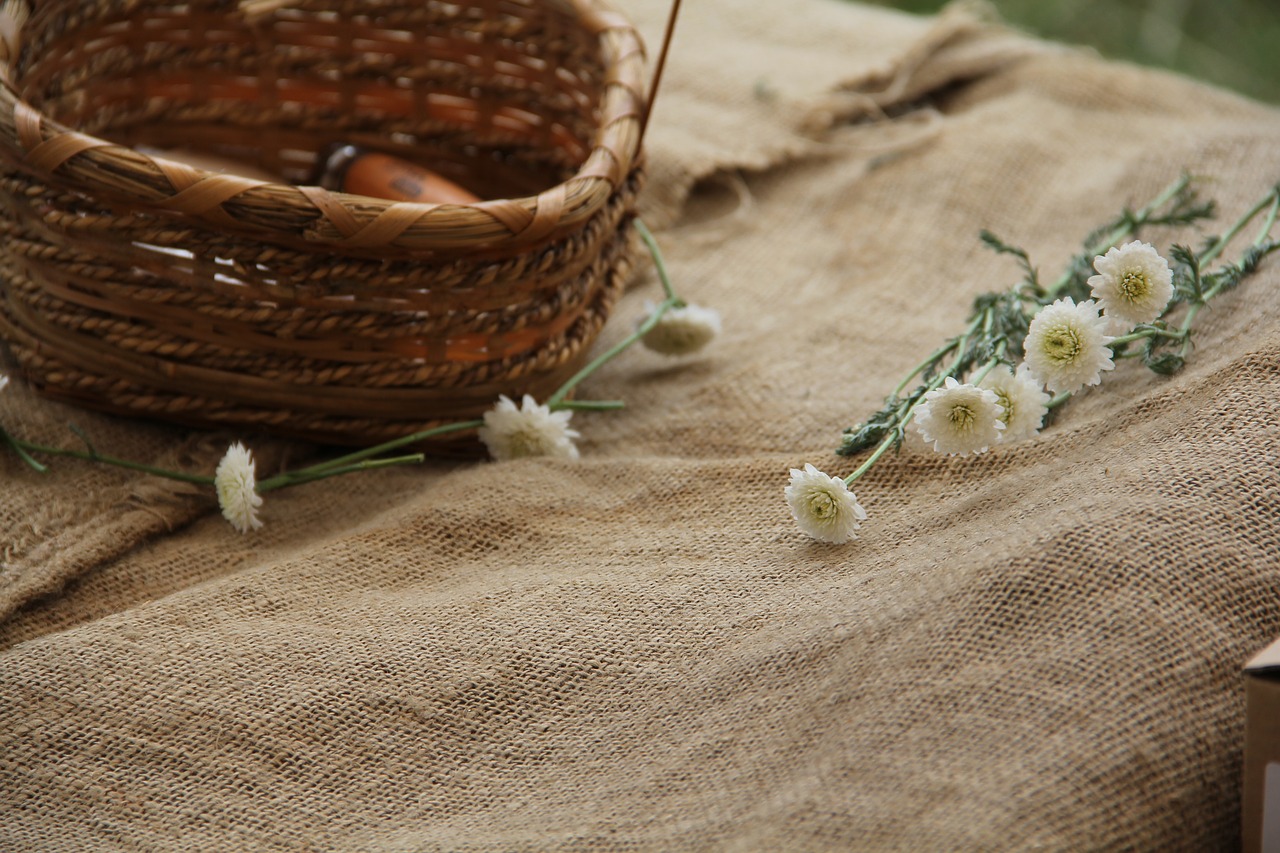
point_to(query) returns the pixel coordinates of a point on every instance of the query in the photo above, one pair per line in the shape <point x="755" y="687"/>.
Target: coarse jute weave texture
<point x="1038" y="648"/>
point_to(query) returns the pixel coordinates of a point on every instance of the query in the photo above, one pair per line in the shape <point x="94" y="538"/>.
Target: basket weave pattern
<point x="137" y="283"/>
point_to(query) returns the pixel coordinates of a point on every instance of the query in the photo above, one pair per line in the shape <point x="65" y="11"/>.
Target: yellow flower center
<point x="525" y="443"/>
<point x="962" y="417"/>
<point x="1006" y="406"/>
<point x="822" y="505"/>
<point x="1062" y="344"/>
<point x="1134" y="286"/>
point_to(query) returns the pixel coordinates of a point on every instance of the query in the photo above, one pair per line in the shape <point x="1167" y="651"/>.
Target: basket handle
<point x="651" y="96"/>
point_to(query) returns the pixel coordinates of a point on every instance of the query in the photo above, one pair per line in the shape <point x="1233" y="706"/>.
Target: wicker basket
<point x="142" y="285"/>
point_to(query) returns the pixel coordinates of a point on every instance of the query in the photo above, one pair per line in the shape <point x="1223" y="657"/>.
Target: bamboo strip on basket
<point x="183" y="407"/>
<point x="483" y="288"/>
<point x="86" y="355"/>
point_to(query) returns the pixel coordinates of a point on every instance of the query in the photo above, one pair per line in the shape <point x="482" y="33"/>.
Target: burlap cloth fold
<point x="1038" y="648"/>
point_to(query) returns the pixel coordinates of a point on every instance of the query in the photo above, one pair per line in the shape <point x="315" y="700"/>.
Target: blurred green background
<point x="1232" y="43"/>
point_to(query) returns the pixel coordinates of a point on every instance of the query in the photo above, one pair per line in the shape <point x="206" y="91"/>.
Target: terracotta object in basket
<point x="143" y="285"/>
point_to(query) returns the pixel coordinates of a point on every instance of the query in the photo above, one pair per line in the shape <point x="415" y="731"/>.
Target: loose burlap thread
<point x="1035" y="648"/>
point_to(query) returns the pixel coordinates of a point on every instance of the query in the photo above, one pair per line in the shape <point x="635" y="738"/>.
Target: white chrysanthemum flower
<point x="1133" y="285"/>
<point x="237" y="489"/>
<point x="823" y="506"/>
<point x="959" y="419"/>
<point x="534" y="430"/>
<point x="1066" y="347"/>
<point x="681" y="331"/>
<point x="1023" y="402"/>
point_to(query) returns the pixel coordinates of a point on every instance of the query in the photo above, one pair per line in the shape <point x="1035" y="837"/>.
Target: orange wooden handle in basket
<point x="372" y="173"/>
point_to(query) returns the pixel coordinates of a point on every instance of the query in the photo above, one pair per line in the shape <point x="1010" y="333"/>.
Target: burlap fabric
<point x="1038" y="648"/>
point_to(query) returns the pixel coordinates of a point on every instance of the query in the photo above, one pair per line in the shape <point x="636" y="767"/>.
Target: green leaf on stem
<point x="1165" y="363"/>
<point x="1031" y="278"/>
<point x="80" y="434"/>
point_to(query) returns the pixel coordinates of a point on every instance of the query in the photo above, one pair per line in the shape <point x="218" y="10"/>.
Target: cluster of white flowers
<point x="1067" y="348"/>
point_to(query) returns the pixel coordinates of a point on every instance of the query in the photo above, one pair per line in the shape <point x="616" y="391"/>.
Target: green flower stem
<point x="556" y="400"/>
<point x="1258" y="241"/>
<point x="997" y="358"/>
<point x="991" y="364"/>
<point x="894" y="436"/>
<point x="1264" y="234"/>
<point x="27" y="447"/>
<point x="981" y="321"/>
<point x="659" y="264"/>
<point x="589" y="405"/>
<point x="1059" y="400"/>
<point x="1145" y="333"/>
<point x="23" y="454"/>
<point x="1270" y="222"/>
<point x="1185" y="349"/>
<point x="356" y="461"/>
<point x="934" y="357"/>
<point x="906" y="409"/>
<point x="1220" y="244"/>
<point x="1127" y="229"/>
<point x="304" y="475"/>
<point x="962" y="350"/>
<point x="310" y="475"/>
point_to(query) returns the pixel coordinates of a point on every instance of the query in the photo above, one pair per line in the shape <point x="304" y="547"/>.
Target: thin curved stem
<point x="310" y="475"/>
<point x="28" y="447"/>
<point x="1144" y="334"/>
<point x="658" y="262"/>
<point x="888" y="441"/>
<point x="1058" y="400"/>
<point x="589" y="405"/>
<point x="1220" y="245"/>
<point x="305" y="474"/>
<point x="672" y="301"/>
<point x="933" y="358"/>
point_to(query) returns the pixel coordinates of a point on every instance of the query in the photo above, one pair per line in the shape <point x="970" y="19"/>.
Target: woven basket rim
<point x="41" y="147"/>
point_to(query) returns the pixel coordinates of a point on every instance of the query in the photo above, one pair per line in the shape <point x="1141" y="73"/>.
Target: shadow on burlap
<point x="1035" y="648"/>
